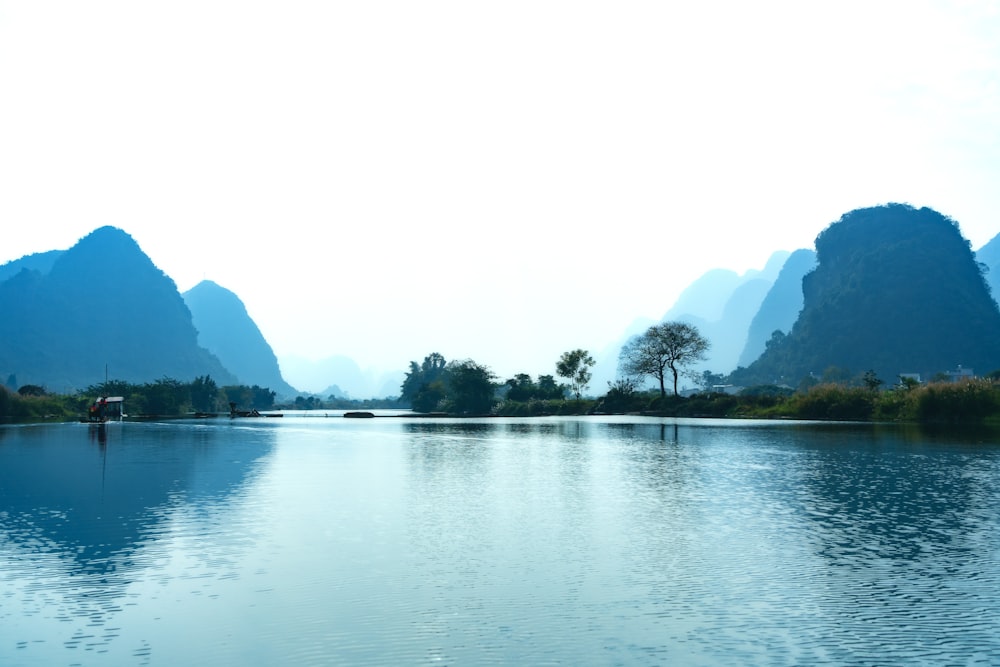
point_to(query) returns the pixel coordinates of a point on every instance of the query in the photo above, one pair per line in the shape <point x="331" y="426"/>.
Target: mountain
<point x="40" y="261"/>
<point x="705" y="299"/>
<point x="341" y="376"/>
<point x="722" y="304"/>
<point x="780" y="308"/>
<point x="895" y="290"/>
<point x="226" y="330"/>
<point x="101" y="306"/>
<point x="989" y="256"/>
<point x="605" y="369"/>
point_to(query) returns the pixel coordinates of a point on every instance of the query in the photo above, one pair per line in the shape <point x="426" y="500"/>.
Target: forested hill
<point x="100" y="304"/>
<point x="895" y="290"/>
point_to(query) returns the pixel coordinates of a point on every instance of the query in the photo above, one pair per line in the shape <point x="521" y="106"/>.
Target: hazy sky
<point x="496" y="181"/>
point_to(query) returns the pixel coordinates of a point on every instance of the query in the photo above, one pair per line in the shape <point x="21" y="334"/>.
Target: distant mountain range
<point x="341" y="377"/>
<point x="103" y="307"/>
<point x="890" y="288"/>
<point x="718" y="303"/>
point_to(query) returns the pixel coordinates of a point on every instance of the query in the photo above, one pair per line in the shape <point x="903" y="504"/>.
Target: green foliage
<point x="872" y="381"/>
<point x="167" y="396"/>
<point x="549" y="389"/>
<point x="543" y="408"/>
<point x="521" y="388"/>
<point x="17" y="407"/>
<point x="263" y="398"/>
<point x="423" y="387"/>
<point x="960" y="402"/>
<point x="254" y="397"/>
<point x="308" y="403"/>
<point x="712" y="404"/>
<point x="470" y="388"/>
<point x="460" y="387"/>
<point x="832" y="401"/>
<point x="204" y="394"/>
<point x="621" y="396"/>
<point x="575" y="366"/>
<point x="708" y="379"/>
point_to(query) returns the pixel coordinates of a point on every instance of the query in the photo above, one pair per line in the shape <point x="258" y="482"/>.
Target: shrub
<point x="968" y="401"/>
<point x="832" y="401"/>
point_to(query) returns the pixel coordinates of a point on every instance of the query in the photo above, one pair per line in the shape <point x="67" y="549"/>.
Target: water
<point x="612" y="541"/>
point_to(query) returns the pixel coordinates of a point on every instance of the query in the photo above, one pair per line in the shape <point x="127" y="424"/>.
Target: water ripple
<point x="632" y="541"/>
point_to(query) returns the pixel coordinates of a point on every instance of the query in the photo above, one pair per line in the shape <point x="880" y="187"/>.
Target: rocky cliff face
<point x="895" y="290"/>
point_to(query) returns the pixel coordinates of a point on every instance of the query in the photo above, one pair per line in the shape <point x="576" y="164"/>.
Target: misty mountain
<point x="781" y="307"/>
<point x="340" y="376"/>
<point x="895" y="290"/>
<point x="722" y="304"/>
<point x="226" y="330"/>
<point x="989" y="256"/>
<point x="605" y="369"/>
<point x="100" y="305"/>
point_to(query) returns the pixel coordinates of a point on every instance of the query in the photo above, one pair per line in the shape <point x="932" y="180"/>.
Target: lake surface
<point x="595" y="541"/>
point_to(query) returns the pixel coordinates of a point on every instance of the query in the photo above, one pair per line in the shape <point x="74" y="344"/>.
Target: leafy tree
<point x="665" y="348"/>
<point x="521" y="388"/>
<point x="871" y="380"/>
<point x="166" y="396"/>
<point x="239" y="394"/>
<point x="708" y="379"/>
<point x="204" y="393"/>
<point x="307" y="403"/>
<point x="114" y="388"/>
<point x="32" y="390"/>
<point x="470" y="387"/>
<point x="262" y="398"/>
<point x="621" y="395"/>
<point x="423" y="387"/>
<point x="548" y="388"/>
<point x="575" y="366"/>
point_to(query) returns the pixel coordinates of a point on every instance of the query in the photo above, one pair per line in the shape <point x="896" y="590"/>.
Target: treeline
<point x="165" y="397"/>
<point x="468" y="388"/>
<point x="966" y="401"/>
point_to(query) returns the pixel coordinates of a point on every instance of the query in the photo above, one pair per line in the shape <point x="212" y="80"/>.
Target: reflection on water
<point x="572" y="541"/>
<point x="82" y="508"/>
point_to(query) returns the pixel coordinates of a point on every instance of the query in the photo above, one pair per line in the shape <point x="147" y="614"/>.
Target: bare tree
<point x="670" y="347"/>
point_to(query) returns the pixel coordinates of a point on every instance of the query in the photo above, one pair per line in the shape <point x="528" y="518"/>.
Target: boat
<point x="106" y="409"/>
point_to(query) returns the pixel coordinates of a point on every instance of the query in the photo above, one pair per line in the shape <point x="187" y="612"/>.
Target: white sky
<point x="496" y="181"/>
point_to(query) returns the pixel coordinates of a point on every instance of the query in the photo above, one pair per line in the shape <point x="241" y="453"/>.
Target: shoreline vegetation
<point x="969" y="401"/>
